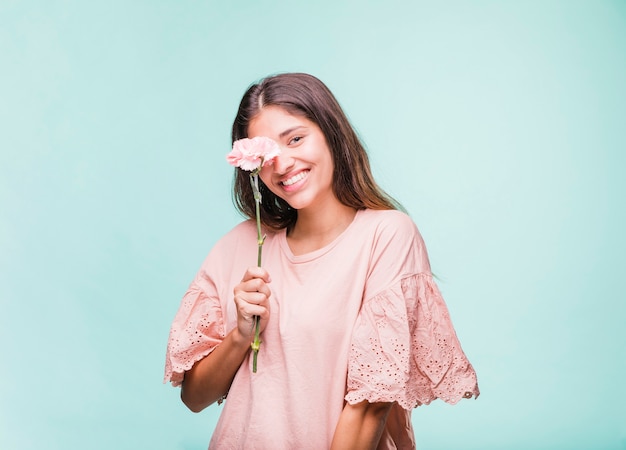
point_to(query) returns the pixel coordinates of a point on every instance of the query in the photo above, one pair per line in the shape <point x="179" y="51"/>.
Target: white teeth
<point x="295" y="178"/>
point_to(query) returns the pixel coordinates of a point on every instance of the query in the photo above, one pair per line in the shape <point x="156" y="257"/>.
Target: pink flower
<point x="252" y="154"/>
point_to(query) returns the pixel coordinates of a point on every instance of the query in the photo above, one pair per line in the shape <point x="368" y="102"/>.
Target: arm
<point x="210" y="378"/>
<point x="360" y="426"/>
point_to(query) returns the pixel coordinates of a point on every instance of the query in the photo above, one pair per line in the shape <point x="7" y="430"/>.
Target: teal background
<point x="499" y="125"/>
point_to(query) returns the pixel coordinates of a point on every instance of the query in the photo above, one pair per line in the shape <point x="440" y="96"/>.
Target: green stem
<point x="256" y="344"/>
<point x="254" y="180"/>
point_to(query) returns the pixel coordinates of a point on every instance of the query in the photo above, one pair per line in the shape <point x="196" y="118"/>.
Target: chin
<point x="298" y="204"/>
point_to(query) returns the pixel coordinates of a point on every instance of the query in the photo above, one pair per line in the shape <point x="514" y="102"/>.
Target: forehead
<point x="272" y="121"/>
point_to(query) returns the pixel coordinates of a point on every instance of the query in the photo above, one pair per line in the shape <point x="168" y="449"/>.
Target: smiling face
<point x="302" y="174"/>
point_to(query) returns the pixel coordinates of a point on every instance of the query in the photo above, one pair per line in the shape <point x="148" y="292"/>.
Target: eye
<point x="295" y="140"/>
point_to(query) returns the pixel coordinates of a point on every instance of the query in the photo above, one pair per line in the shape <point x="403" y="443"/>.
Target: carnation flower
<point x="251" y="154"/>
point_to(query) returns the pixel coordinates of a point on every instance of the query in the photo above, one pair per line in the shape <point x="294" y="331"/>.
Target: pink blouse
<point x="359" y="319"/>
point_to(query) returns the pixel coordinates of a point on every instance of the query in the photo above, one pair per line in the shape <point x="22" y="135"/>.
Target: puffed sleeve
<point x="197" y="329"/>
<point x="404" y="348"/>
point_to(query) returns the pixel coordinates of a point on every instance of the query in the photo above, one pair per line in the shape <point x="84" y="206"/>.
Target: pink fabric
<point x="383" y="368"/>
<point x="360" y="319"/>
<point x="197" y="329"/>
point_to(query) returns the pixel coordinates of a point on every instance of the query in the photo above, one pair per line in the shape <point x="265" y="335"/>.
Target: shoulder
<point x="395" y="241"/>
<point x="241" y="235"/>
<point x="389" y="223"/>
<point x="238" y="232"/>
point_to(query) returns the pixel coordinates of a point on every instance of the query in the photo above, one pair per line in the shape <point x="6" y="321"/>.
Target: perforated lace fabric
<point x="404" y="349"/>
<point x="196" y="330"/>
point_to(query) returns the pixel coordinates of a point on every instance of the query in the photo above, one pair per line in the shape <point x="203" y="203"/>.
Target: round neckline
<point x="310" y="256"/>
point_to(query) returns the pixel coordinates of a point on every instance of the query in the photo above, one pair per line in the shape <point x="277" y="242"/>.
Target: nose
<point x="283" y="162"/>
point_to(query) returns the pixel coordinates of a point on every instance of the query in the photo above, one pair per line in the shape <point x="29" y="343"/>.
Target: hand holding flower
<point x="251" y="155"/>
<point x="252" y="299"/>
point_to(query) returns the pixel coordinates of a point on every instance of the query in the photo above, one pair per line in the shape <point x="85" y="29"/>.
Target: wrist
<point x="239" y="340"/>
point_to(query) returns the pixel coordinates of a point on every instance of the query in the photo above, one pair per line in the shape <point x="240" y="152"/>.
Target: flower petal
<point x="249" y="154"/>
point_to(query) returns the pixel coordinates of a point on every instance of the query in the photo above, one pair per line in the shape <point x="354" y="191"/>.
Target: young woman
<point x="355" y="333"/>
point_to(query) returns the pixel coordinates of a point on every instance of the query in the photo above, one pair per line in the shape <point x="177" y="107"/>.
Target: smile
<point x="295" y="178"/>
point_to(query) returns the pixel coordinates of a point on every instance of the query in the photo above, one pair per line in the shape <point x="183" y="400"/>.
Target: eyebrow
<point x="290" y="130"/>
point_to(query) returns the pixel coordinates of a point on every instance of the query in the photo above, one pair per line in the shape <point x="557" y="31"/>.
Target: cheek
<point x="265" y="175"/>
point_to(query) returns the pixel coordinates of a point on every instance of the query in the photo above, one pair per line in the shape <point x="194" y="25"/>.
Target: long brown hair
<point x="304" y="95"/>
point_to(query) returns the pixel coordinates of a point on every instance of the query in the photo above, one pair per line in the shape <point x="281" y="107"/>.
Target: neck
<point x="315" y="229"/>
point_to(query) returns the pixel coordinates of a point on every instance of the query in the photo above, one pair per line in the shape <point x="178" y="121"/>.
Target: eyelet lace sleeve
<point x="404" y="349"/>
<point x="197" y="329"/>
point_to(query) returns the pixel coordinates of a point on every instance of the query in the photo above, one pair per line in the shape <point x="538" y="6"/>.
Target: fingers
<point x="249" y="288"/>
<point x="256" y="272"/>
<point x="252" y="299"/>
<point x="251" y="304"/>
<point x="254" y="280"/>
